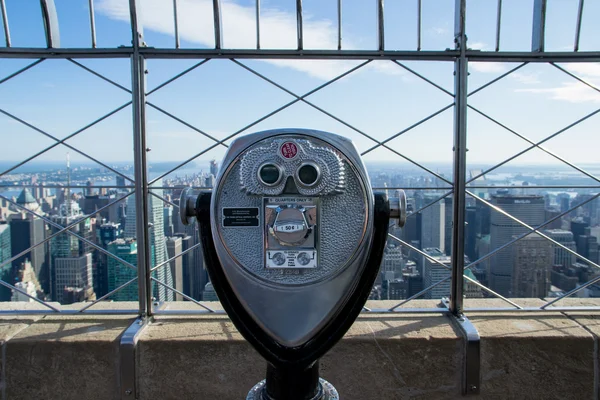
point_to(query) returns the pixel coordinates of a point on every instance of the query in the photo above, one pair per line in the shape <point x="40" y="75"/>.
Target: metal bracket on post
<point x="127" y="358"/>
<point x="472" y="356"/>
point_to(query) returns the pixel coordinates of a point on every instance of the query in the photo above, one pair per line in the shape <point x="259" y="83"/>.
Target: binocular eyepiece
<point x="293" y="237"/>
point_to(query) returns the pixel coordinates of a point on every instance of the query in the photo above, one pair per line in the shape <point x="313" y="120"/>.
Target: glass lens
<point x="269" y="174"/>
<point x="308" y="174"/>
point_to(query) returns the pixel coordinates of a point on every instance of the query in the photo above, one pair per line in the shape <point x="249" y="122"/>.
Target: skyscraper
<point x="119" y="273"/>
<point x="433" y="224"/>
<point x="532" y="267"/>
<point x="434" y="272"/>
<point x="71" y="258"/>
<point x="157" y="239"/>
<point x="562" y="256"/>
<point x="27" y="230"/>
<point x="176" y="264"/>
<point x="528" y="209"/>
<point x="5" y="254"/>
<point x="74" y="274"/>
<point x="106" y="233"/>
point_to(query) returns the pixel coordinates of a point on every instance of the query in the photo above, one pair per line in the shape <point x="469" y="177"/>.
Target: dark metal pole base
<point x="328" y="392"/>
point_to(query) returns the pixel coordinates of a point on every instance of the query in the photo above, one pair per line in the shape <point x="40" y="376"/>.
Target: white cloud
<point x="278" y="31"/>
<point x="585" y="69"/>
<point x="526" y="78"/>
<point x="477" y="45"/>
<point x="487" y="67"/>
<point x="572" y="92"/>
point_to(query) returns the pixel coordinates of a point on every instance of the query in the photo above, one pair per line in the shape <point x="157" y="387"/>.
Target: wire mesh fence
<point x="461" y="125"/>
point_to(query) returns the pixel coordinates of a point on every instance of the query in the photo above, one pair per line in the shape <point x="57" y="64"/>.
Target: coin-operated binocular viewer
<point x="293" y="237"/>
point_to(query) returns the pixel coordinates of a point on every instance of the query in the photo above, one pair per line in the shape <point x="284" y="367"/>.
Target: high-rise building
<point x="119" y="273"/>
<point x="195" y="276"/>
<point x="27" y="230"/>
<point x="528" y="209"/>
<point x="174" y="245"/>
<point x="587" y="246"/>
<point x="562" y="256"/>
<point x="532" y="267"/>
<point x="169" y="227"/>
<point x="157" y="239"/>
<point x="68" y="253"/>
<point x="74" y="274"/>
<point x="5" y="254"/>
<point x="434" y="272"/>
<point x="106" y="233"/>
<point x="433" y="225"/>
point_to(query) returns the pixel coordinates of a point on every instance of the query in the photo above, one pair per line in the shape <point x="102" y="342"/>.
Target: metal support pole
<point x="127" y="357"/>
<point x="460" y="155"/>
<point x="144" y="257"/>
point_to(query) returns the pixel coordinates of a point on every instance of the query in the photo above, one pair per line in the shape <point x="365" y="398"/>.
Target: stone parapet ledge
<point x="528" y="355"/>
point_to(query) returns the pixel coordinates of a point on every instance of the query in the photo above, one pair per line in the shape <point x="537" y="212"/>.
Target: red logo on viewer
<point x="288" y="150"/>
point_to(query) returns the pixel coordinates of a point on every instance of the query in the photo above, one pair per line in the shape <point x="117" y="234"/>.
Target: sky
<point x="221" y="97"/>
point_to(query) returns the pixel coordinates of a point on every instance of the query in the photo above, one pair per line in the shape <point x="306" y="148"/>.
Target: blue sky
<point x="380" y="99"/>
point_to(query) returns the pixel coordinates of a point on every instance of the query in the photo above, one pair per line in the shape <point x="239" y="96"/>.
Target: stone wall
<point x="527" y="355"/>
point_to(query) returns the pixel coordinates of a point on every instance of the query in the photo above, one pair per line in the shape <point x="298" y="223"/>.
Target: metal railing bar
<point x="575" y="77"/>
<point x="517" y="238"/>
<point x="184" y="252"/>
<point x="50" y="222"/>
<point x="535" y="145"/>
<point x="62" y="141"/>
<point x="409" y="188"/>
<point x="168" y="114"/>
<point x="448" y="267"/>
<point x="5" y="23"/>
<point x="170" y="53"/>
<point x="536" y="230"/>
<point x="423" y="78"/>
<point x="83" y="309"/>
<point x="257" y="9"/>
<point x="571" y="292"/>
<point x="578" y="26"/>
<point x="480" y="88"/>
<point x="339" y="24"/>
<point x="589" y="175"/>
<point x="50" y="20"/>
<point x="419" y="23"/>
<point x="533" y="187"/>
<point x="69" y="312"/>
<point x="185" y="296"/>
<point x="217" y="22"/>
<point x="33" y="64"/>
<point x="162" y="198"/>
<point x="99" y="75"/>
<point x="538" y="25"/>
<point x="42" y="186"/>
<point x="176" y="24"/>
<point x="49" y="237"/>
<point x="16" y="289"/>
<point x="92" y="23"/>
<point x="498" y="24"/>
<point x="262" y="119"/>
<point x="299" y="25"/>
<point x="179" y="75"/>
<point x="380" y="26"/>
